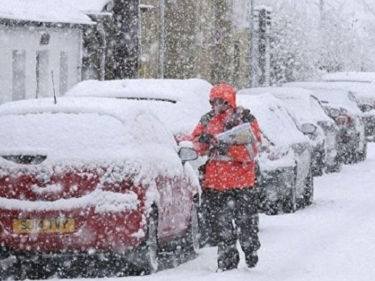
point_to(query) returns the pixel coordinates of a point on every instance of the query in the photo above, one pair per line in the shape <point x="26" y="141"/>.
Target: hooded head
<point x="225" y="92"/>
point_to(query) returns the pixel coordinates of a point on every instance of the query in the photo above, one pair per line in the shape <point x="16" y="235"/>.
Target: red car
<point x="88" y="179"/>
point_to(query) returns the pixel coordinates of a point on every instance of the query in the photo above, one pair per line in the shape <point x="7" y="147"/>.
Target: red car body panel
<point x="99" y="231"/>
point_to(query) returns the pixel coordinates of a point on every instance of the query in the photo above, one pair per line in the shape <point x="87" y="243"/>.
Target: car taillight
<point x="341" y="120"/>
<point x="120" y="187"/>
<point x="345" y="138"/>
<point x="116" y="179"/>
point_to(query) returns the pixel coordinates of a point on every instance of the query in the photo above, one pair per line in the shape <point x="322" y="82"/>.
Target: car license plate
<point x="23" y="226"/>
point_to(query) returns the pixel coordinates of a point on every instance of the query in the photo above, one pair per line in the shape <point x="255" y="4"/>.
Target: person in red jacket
<point x="230" y="178"/>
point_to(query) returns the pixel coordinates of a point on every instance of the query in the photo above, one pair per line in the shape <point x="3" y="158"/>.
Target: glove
<point x="205" y="138"/>
<point x="221" y="147"/>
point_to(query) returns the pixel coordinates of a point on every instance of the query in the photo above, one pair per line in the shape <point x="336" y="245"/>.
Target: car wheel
<point x="148" y="255"/>
<point x="191" y="241"/>
<point x="193" y="231"/>
<point x="362" y="155"/>
<point x="308" y="194"/>
<point x="335" y="168"/>
<point x="289" y="202"/>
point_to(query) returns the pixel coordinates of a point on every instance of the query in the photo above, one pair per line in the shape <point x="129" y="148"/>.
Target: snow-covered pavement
<point x="334" y="239"/>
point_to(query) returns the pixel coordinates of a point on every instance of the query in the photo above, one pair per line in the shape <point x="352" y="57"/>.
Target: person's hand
<point x="221" y="147"/>
<point x="206" y="138"/>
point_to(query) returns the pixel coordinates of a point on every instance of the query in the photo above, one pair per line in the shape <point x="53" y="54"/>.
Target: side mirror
<point x="365" y="107"/>
<point x="334" y="112"/>
<point x="352" y="97"/>
<point x="308" y="128"/>
<point x="187" y="154"/>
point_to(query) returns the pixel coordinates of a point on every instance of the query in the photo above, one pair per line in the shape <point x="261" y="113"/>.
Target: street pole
<point x="321" y="9"/>
<point x="162" y="39"/>
<point x="252" y="63"/>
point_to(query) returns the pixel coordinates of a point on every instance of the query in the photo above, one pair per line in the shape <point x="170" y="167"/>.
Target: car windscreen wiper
<point x="25" y="159"/>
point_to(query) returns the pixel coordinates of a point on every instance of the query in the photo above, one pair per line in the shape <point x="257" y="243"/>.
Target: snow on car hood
<point x="274" y="119"/>
<point x="298" y="101"/>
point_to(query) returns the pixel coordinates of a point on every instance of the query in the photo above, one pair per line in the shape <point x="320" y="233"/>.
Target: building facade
<point x="47" y="52"/>
<point x="40" y="52"/>
<point x="195" y="38"/>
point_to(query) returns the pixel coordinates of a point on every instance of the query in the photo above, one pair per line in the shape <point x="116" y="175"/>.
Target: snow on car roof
<point x="274" y="119"/>
<point x="178" y="103"/>
<point x="366" y="77"/>
<point x="337" y="98"/>
<point x="360" y="90"/>
<point x="42" y="11"/>
<point x="141" y="145"/>
<point x="298" y="101"/>
<point x="87" y="6"/>
<point x="144" y="140"/>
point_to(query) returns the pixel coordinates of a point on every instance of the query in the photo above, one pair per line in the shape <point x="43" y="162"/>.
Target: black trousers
<point x="232" y="215"/>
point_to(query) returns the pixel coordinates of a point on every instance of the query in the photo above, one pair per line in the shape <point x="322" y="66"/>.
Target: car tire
<point x="289" y="203"/>
<point x="148" y="257"/>
<point x="308" y="194"/>
<point x="193" y="234"/>
<point x="191" y="241"/>
<point x="337" y="167"/>
<point x="362" y="155"/>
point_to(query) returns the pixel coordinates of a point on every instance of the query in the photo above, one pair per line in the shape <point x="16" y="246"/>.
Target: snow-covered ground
<point x="334" y="239"/>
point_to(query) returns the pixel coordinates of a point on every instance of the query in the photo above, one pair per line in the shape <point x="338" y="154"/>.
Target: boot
<point x="228" y="257"/>
<point x="252" y="260"/>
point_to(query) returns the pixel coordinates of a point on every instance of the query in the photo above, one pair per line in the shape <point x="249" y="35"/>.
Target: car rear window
<point x="68" y="134"/>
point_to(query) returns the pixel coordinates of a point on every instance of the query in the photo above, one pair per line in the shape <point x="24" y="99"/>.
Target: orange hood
<point x="225" y="92"/>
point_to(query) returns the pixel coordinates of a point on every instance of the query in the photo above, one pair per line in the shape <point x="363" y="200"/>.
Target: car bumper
<point x="100" y="231"/>
<point x="276" y="185"/>
<point x="369" y="122"/>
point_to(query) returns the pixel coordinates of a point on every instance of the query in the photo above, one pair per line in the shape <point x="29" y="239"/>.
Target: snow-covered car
<point x="88" y="180"/>
<point x="362" y="92"/>
<point x="286" y="182"/>
<point x="352" y="143"/>
<point x="306" y="110"/>
<point x="176" y="102"/>
<point x="340" y="105"/>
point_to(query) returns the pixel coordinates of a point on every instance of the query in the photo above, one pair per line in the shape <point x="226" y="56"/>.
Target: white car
<point x="363" y="93"/>
<point x="286" y="181"/>
<point x="342" y="107"/>
<point x="176" y="102"/>
<point x="306" y="109"/>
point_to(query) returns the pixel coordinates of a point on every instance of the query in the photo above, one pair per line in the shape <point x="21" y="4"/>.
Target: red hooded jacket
<point x="235" y="166"/>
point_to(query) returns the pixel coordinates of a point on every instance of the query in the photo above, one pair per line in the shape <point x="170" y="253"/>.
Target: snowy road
<point x="334" y="239"/>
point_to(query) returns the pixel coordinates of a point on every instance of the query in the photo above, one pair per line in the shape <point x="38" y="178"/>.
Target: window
<point x="42" y="66"/>
<point x="19" y="75"/>
<point x="63" y="87"/>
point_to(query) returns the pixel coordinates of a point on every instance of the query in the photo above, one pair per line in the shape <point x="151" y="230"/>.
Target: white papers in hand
<point x="241" y="134"/>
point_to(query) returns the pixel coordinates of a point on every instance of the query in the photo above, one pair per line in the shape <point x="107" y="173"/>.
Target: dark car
<point x="306" y="109"/>
<point x="343" y="108"/>
<point x="286" y="182"/>
<point x="363" y="94"/>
